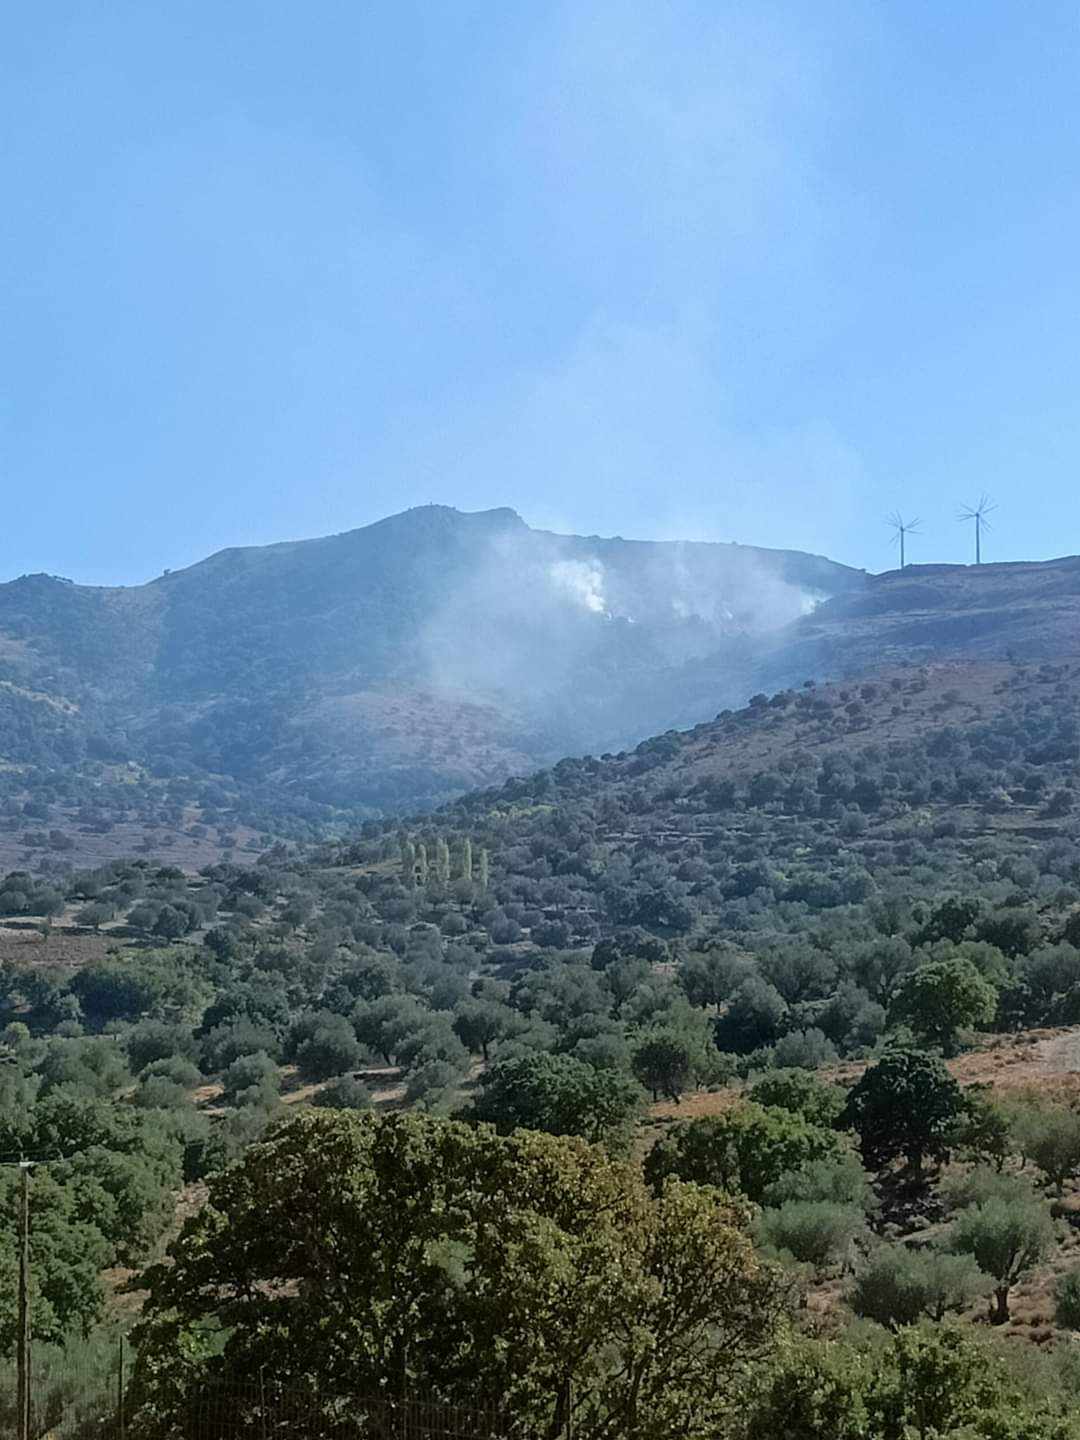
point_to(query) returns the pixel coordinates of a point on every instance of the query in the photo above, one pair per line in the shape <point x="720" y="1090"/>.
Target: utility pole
<point x="23" y="1362"/>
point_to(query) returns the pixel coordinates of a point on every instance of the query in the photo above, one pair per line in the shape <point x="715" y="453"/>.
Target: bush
<point x="1050" y="1137"/>
<point x="815" y="1232"/>
<point x="842" y="1180"/>
<point x="329" y="1049"/>
<point x="745" y="1150"/>
<point x="153" y="1040"/>
<point x="343" y="1093"/>
<point x="251" y="1080"/>
<point x="897" y="1286"/>
<point x="753" y="1018"/>
<point x="804" y="1049"/>
<point x="1067" y="1300"/>
<point x="801" y="1093"/>
<point x="557" y="1094"/>
<point x="177" y="1069"/>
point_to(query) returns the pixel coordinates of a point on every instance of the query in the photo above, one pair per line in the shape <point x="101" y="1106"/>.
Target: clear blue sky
<point x="758" y="272"/>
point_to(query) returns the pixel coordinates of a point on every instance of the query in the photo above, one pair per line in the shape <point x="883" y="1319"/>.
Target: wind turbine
<point x="978" y="513"/>
<point x="901" y="529"/>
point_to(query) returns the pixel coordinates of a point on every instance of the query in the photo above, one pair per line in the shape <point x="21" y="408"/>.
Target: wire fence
<point x="76" y="1403"/>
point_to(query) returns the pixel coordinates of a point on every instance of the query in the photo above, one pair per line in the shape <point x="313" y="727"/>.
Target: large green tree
<point x="907" y="1104"/>
<point x="941" y="998"/>
<point x="558" y="1094"/>
<point x="743" y="1151"/>
<point x="349" y="1254"/>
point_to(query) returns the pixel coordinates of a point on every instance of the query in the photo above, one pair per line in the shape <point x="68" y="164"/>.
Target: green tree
<point x="801" y="1092"/>
<point x="1004" y="1238"/>
<point x="478" y="1024"/>
<point x="349" y="1254"/>
<point x="816" y="1232"/>
<point x="1051" y="1140"/>
<point x="906" y="1105"/>
<point x="942" y="997"/>
<point x="743" y="1151"/>
<point x="664" y="1063"/>
<point x="897" y="1285"/>
<point x="557" y="1094"/>
<point x="67" y="1255"/>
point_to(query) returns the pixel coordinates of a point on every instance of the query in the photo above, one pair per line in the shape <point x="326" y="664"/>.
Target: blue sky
<point x="760" y="272"/>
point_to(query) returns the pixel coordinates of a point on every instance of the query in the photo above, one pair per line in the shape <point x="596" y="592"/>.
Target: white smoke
<point x="582" y="581"/>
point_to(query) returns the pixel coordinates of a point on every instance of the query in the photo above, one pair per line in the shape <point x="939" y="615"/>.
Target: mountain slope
<point x="390" y="665"/>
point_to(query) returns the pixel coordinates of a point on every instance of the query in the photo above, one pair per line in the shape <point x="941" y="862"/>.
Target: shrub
<point x="897" y="1285"/>
<point x="1051" y="1140"/>
<point x="804" y="1049"/>
<point x="344" y="1092"/>
<point x="801" y="1093"/>
<point x="842" y="1180"/>
<point x="251" y="1080"/>
<point x="745" y="1150"/>
<point x="816" y="1232"/>
<point x="1067" y="1300"/>
<point x="753" y="1018"/>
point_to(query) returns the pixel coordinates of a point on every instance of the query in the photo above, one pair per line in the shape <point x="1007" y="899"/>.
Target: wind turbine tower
<point x="978" y="513"/>
<point x="901" y="529"/>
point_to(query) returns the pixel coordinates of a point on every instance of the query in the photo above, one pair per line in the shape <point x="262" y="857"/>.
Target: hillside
<point x="752" y="895"/>
<point x="295" y="690"/>
<point x="290" y="685"/>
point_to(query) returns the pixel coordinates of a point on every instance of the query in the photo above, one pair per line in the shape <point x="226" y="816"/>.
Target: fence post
<point x="120" y="1389"/>
<point x="23" y="1422"/>
<point x="262" y="1401"/>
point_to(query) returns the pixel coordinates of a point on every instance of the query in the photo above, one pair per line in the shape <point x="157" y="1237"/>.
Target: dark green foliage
<point x="942" y="997"/>
<point x="744" y="1151"/>
<point x="664" y="1063"/>
<point x="752" y="1019"/>
<point x="929" y="1382"/>
<point x="323" y="1044"/>
<point x="1067" y="1300"/>
<point x="907" y="1105"/>
<point x="557" y="1094"/>
<point x="251" y="1080"/>
<point x="797" y="1090"/>
<point x="805" y="1049"/>
<point x="153" y="1040"/>
<point x="463" y="1262"/>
